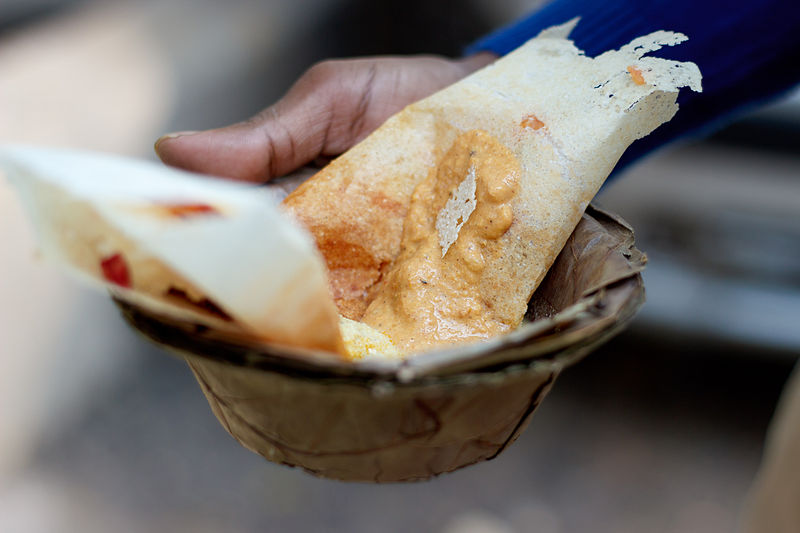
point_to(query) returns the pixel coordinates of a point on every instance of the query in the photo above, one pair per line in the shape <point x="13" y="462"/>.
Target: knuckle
<point x="323" y="72"/>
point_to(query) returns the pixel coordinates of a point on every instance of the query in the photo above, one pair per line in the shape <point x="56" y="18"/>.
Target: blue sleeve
<point x="747" y="51"/>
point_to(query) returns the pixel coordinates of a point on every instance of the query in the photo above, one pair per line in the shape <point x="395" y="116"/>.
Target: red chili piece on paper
<point x="115" y="270"/>
<point x="186" y="210"/>
<point x="636" y="75"/>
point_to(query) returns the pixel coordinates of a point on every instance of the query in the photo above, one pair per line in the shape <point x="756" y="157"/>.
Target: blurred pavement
<point x="660" y="431"/>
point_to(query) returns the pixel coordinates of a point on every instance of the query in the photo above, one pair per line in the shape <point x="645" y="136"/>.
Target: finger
<point x="256" y="150"/>
<point x="291" y="133"/>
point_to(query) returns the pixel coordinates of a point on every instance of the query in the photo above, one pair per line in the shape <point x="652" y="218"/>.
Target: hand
<point x="330" y="108"/>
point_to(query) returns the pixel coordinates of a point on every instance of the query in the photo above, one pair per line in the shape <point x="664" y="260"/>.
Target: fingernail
<point x="174" y="135"/>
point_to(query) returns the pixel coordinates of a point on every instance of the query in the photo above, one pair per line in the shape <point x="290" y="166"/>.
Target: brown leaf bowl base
<point x="435" y="412"/>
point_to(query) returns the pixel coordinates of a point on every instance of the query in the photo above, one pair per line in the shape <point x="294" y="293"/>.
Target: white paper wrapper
<point x="565" y="117"/>
<point x="187" y="241"/>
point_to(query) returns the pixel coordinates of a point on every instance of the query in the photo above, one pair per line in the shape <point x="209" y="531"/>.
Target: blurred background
<point x="659" y="431"/>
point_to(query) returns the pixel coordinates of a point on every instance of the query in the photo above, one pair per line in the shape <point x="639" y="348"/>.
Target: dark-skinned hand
<point x="330" y="108"/>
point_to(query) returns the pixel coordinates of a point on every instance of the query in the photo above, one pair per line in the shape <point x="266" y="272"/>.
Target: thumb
<point x="278" y="140"/>
<point x="255" y="150"/>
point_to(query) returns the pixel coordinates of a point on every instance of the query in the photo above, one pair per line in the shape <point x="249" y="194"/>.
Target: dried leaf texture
<point x="430" y="414"/>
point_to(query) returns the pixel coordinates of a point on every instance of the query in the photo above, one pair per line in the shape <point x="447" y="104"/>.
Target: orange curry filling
<point x="433" y="293"/>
